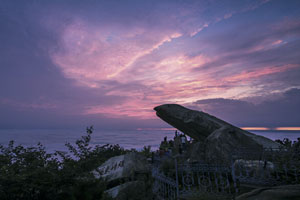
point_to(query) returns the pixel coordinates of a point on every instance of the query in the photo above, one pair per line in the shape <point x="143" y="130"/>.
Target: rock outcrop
<point x="219" y="138"/>
<point x="123" y="191"/>
<point x="220" y="144"/>
<point x="126" y="166"/>
<point x="283" y="192"/>
<point x="202" y="126"/>
<point x="196" y="152"/>
<point x="195" y="124"/>
<point x="115" y="191"/>
<point x="124" y="172"/>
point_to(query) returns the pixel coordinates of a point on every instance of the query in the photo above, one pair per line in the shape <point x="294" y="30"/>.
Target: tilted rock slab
<point x="199" y="125"/>
<point x="219" y="137"/>
<point x="195" y="124"/>
<point x="221" y="144"/>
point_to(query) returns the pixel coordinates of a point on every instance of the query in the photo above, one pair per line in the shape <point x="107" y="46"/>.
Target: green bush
<point x="290" y="151"/>
<point x="290" y="144"/>
<point x="146" y="151"/>
<point x="32" y="173"/>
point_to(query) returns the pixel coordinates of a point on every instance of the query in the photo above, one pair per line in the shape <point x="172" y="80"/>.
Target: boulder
<point x="133" y="190"/>
<point x="220" y="145"/>
<point x="124" y="167"/>
<point x="115" y="191"/>
<point x="196" y="152"/>
<point x="200" y="125"/>
<point x="283" y="192"/>
<point x="118" y="191"/>
<point x="195" y="124"/>
<point x="123" y="172"/>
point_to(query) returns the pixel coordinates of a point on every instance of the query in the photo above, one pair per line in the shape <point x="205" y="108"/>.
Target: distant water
<point x="54" y="139"/>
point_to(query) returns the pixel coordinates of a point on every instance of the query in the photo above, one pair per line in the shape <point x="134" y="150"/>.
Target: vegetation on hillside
<point x="32" y="173"/>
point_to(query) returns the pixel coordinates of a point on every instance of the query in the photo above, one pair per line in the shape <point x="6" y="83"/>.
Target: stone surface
<point x="196" y="152"/>
<point x="220" y="144"/>
<point x="285" y="192"/>
<point x="200" y="125"/>
<point x="195" y="124"/>
<point x="123" y="167"/>
<point x="115" y="191"/>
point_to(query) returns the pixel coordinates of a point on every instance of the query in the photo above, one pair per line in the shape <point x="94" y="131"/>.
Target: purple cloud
<point x="280" y="111"/>
<point x="111" y="62"/>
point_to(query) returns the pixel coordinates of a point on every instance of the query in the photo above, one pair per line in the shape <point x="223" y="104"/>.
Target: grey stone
<point x="218" y="137"/>
<point x="196" y="152"/>
<point x="220" y="144"/>
<point x="115" y="191"/>
<point x="285" y="192"/>
<point x="195" y="124"/>
<point x="123" y="167"/>
<point x="199" y="125"/>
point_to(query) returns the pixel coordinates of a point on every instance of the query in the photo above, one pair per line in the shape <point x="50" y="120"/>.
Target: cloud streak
<point x="110" y="60"/>
<point x="281" y="111"/>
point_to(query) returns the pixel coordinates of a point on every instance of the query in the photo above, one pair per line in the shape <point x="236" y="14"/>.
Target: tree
<point x="32" y="173"/>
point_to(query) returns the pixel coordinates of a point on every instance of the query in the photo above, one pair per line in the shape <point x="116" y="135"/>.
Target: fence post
<point x="177" y="187"/>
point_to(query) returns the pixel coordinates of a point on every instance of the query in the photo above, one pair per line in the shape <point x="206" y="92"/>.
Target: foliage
<point x="32" y="173"/>
<point x="289" y="144"/>
<point x="291" y="150"/>
<point x="146" y="151"/>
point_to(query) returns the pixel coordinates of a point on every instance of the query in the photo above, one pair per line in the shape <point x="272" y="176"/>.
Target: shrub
<point x="32" y="173"/>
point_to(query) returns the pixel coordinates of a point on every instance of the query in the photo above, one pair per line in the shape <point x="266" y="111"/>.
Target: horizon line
<point x="249" y="128"/>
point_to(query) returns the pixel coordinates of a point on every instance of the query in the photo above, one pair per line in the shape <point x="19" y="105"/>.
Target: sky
<point x="67" y="64"/>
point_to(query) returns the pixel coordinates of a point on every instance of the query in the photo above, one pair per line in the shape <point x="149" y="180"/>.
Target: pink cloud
<point x="93" y="55"/>
<point x="134" y="108"/>
<point x="90" y="54"/>
<point x="248" y="75"/>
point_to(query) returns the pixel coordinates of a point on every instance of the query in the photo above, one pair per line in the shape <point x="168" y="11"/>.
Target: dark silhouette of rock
<point x="115" y="191"/>
<point x="209" y="129"/>
<point x="123" y="172"/>
<point x="134" y="190"/>
<point x="196" y="152"/>
<point x="195" y="124"/>
<point x="283" y="192"/>
<point x="125" y="190"/>
<point x="218" y="137"/>
<point x="220" y="144"/>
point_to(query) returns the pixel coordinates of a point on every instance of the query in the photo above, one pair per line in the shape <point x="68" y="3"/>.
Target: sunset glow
<point x="271" y="129"/>
<point x="111" y="62"/>
<point x="256" y="128"/>
<point x="287" y="129"/>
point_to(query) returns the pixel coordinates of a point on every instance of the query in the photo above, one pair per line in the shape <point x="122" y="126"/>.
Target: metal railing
<point x="266" y="167"/>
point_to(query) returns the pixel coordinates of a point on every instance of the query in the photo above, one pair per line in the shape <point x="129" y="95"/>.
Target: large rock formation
<point x="125" y="190"/>
<point x="124" y="172"/>
<point x="204" y="127"/>
<point x="220" y="144"/>
<point x="218" y="137"/>
<point x="126" y="166"/>
<point x="195" y="124"/>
